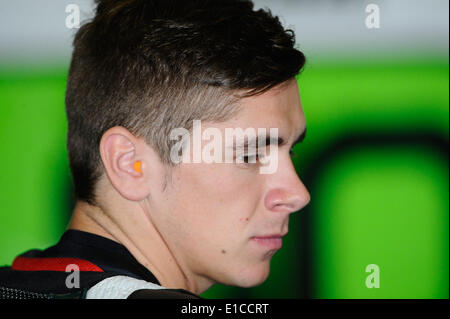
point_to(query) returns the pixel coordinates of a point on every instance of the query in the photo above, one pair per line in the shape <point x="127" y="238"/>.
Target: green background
<point x="374" y="161"/>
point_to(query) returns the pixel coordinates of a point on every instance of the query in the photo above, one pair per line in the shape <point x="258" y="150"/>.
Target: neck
<point x="144" y="242"/>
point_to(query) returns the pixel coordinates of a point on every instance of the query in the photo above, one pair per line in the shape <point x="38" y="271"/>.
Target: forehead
<point x="279" y="108"/>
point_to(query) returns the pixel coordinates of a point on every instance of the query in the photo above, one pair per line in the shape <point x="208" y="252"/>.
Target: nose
<point x="288" y="194"/>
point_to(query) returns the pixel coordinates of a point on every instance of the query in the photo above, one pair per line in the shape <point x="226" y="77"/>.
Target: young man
<point x="145" y="226"/>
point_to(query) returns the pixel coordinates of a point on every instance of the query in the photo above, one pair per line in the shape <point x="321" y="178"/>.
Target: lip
<point x="273" y="242"/>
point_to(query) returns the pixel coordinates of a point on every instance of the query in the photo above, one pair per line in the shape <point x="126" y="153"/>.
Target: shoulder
<point x="124" y="287"/>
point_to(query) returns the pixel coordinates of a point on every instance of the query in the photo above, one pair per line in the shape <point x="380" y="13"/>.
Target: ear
<point x="120" y="151"/>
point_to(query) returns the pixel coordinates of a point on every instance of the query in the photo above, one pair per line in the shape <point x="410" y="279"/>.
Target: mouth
<point x="272" y="242"/>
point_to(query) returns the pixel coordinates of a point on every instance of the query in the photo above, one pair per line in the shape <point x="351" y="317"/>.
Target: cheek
<point x="211" y="221"/>
<point x="215" y="202"/>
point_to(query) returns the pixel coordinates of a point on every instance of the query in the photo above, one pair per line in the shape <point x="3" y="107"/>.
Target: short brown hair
<point x="154" y="65"/>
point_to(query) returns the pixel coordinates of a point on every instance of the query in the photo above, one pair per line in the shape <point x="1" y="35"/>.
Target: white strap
<point x="118" y="287"/>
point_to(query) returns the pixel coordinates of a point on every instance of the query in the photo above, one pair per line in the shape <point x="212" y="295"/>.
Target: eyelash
<point x="246" y="158"/>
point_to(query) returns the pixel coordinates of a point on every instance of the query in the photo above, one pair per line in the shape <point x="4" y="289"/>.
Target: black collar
<point x="104" y="253"/>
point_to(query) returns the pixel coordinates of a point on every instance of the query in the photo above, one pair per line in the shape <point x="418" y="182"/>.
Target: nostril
<point x="299" y="200"/>
<point x="281" y="201"/>
<point x="282" y="208"/>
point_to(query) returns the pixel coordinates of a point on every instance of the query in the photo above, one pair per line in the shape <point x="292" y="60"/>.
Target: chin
<point x="252" y="276"/>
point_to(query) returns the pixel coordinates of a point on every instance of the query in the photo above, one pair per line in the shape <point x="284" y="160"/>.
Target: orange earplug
<point x="138" y="167"/>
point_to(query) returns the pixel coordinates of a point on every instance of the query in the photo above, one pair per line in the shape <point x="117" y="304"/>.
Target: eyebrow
<point x="272" y="141"/>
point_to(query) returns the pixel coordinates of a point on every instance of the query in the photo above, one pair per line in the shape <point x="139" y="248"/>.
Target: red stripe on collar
<point x="53" y="264"/>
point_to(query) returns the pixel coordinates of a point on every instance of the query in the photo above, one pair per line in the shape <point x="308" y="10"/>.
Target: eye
<point x="250" y="159"/>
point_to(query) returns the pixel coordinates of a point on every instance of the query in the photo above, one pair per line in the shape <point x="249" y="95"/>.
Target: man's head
<point x="142" y="68"/>
<point x="154" y="65"/>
